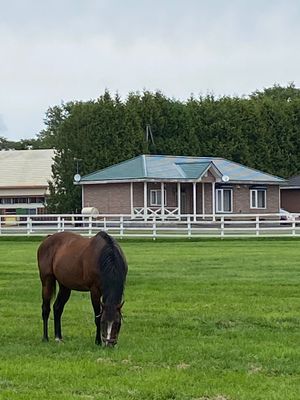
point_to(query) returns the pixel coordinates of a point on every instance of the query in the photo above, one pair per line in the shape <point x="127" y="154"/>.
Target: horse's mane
<point x="113" y="269"/>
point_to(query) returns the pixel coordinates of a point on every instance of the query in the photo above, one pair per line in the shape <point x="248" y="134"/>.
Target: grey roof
<point x="25" y="168"/>
<point x="293" y="181"/>
<point x="178" y="168"/>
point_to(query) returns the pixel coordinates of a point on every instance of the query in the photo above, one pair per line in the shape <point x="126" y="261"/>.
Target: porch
<point x="172" y="200"/>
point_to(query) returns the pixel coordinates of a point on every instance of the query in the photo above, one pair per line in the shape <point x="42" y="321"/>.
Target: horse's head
<point x="111" y="319"/>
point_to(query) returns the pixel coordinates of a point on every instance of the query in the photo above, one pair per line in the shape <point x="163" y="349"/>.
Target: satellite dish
<point x="225" y="178"/>
<point x="77" y="178"/>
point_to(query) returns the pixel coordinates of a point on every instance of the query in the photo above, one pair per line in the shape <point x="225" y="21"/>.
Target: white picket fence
<point x="230" y="225"/>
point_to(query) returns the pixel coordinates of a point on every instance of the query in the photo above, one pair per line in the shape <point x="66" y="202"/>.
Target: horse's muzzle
<point x="109" y="343"/>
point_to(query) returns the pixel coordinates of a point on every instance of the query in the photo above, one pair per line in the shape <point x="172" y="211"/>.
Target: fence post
<point x="104" y="223"/>
<point x="90" y="225"/>
<point x="189" y="226"/>
<point x="222" y="226"/>
<point x="154" y="228"/>
<point x="257" y="225"/>
<point x="0" y="224"/>
<point x="294" y="228"/>
<point x="62" y="224"/>
<point x="28" y="225"/>
<point x="58" y="224"/>
<point x="121" y="226"/>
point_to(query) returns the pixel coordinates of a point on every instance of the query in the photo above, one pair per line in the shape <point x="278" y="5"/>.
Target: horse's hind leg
<point x="47" y="291"/>
<point x="58" y="307"/>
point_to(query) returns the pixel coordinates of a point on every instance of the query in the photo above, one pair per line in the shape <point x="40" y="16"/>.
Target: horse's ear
<point x="119" y="306"/>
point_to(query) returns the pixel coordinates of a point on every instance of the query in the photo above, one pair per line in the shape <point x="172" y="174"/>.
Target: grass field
<point x="209" y="320"/>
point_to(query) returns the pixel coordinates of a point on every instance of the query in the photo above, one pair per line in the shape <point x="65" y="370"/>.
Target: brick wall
<point x="111" y="198"/>
<point x="114" y="198"/>
<point x="241" y="200"/>
<point x="208" y="178"/>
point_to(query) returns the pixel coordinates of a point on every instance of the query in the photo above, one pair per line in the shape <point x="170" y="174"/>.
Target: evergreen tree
<point x="261" y="131"/>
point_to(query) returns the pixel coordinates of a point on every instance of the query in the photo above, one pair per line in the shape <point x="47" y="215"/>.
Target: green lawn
<point x="208" y="319"/>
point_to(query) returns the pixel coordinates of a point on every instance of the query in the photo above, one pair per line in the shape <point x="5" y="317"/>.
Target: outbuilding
<point x="290" y="195"/>
<point x="24" y="180"/>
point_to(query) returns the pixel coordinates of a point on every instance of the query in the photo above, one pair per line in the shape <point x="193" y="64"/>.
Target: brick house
<point x="174" y="186"/>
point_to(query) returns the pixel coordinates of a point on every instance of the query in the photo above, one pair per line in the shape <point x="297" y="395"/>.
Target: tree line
<point x="261" y="130"/>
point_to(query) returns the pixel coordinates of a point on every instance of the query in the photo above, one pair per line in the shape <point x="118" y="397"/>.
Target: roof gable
<point x="193" y="170"/>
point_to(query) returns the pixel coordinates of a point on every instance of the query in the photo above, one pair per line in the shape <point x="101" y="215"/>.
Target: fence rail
<point x="229" y="225"/>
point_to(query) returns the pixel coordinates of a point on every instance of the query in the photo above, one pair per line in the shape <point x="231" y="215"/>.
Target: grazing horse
<point x="95" y="264"/>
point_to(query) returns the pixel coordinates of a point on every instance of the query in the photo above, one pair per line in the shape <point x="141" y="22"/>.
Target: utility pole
<point x="149" y="134"/>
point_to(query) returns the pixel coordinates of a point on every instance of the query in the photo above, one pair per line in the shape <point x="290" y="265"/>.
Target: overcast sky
<point x="61" y="50"/>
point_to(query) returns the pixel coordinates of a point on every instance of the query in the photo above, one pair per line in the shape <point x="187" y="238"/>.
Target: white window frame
<point x="155" y="203"/>
<point x="255" y="205"/>
<point x="220" y="207"/>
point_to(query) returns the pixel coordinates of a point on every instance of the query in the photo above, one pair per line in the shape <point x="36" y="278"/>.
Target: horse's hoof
<point x="58" y="340"/>
<point x="45" y="340"/>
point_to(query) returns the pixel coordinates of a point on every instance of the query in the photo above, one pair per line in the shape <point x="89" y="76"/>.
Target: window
<point x="155" y="198"/>
<point x="36" y="200"/>
<point x="7" y="200"/>
<point x="224" y="200"/>
<point x="258" y="198"/>
<point x="22" y="200"/>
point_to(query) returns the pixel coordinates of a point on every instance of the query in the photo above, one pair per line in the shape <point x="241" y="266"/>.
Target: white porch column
<point x="131" y="199"/>
<point x="213" y="201"/>
<point x="145" y="201"/>
<point x="179" y="199"/>
<point x="194" y="200"/>
<point x="203" y="200"/>
<point x="162" y="189"/>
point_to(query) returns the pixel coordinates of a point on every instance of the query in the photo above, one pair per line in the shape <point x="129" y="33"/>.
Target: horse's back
<point x="50" y="247"/>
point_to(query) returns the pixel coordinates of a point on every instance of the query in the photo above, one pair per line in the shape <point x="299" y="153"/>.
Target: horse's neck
<point x="111" y="299"/>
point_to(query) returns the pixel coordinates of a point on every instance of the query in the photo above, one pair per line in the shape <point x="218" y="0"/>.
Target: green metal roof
<point x="130" y="169"/>
<point x="177" y="168"/>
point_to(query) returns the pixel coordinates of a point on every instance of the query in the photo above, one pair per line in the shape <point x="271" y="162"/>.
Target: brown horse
<point x="95" y="264"/>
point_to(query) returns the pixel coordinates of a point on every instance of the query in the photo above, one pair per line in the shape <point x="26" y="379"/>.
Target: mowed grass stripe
<point x="202" y="319"/>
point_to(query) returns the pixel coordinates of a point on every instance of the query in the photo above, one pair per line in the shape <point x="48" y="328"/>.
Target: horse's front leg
<point x="95" y="298"/>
